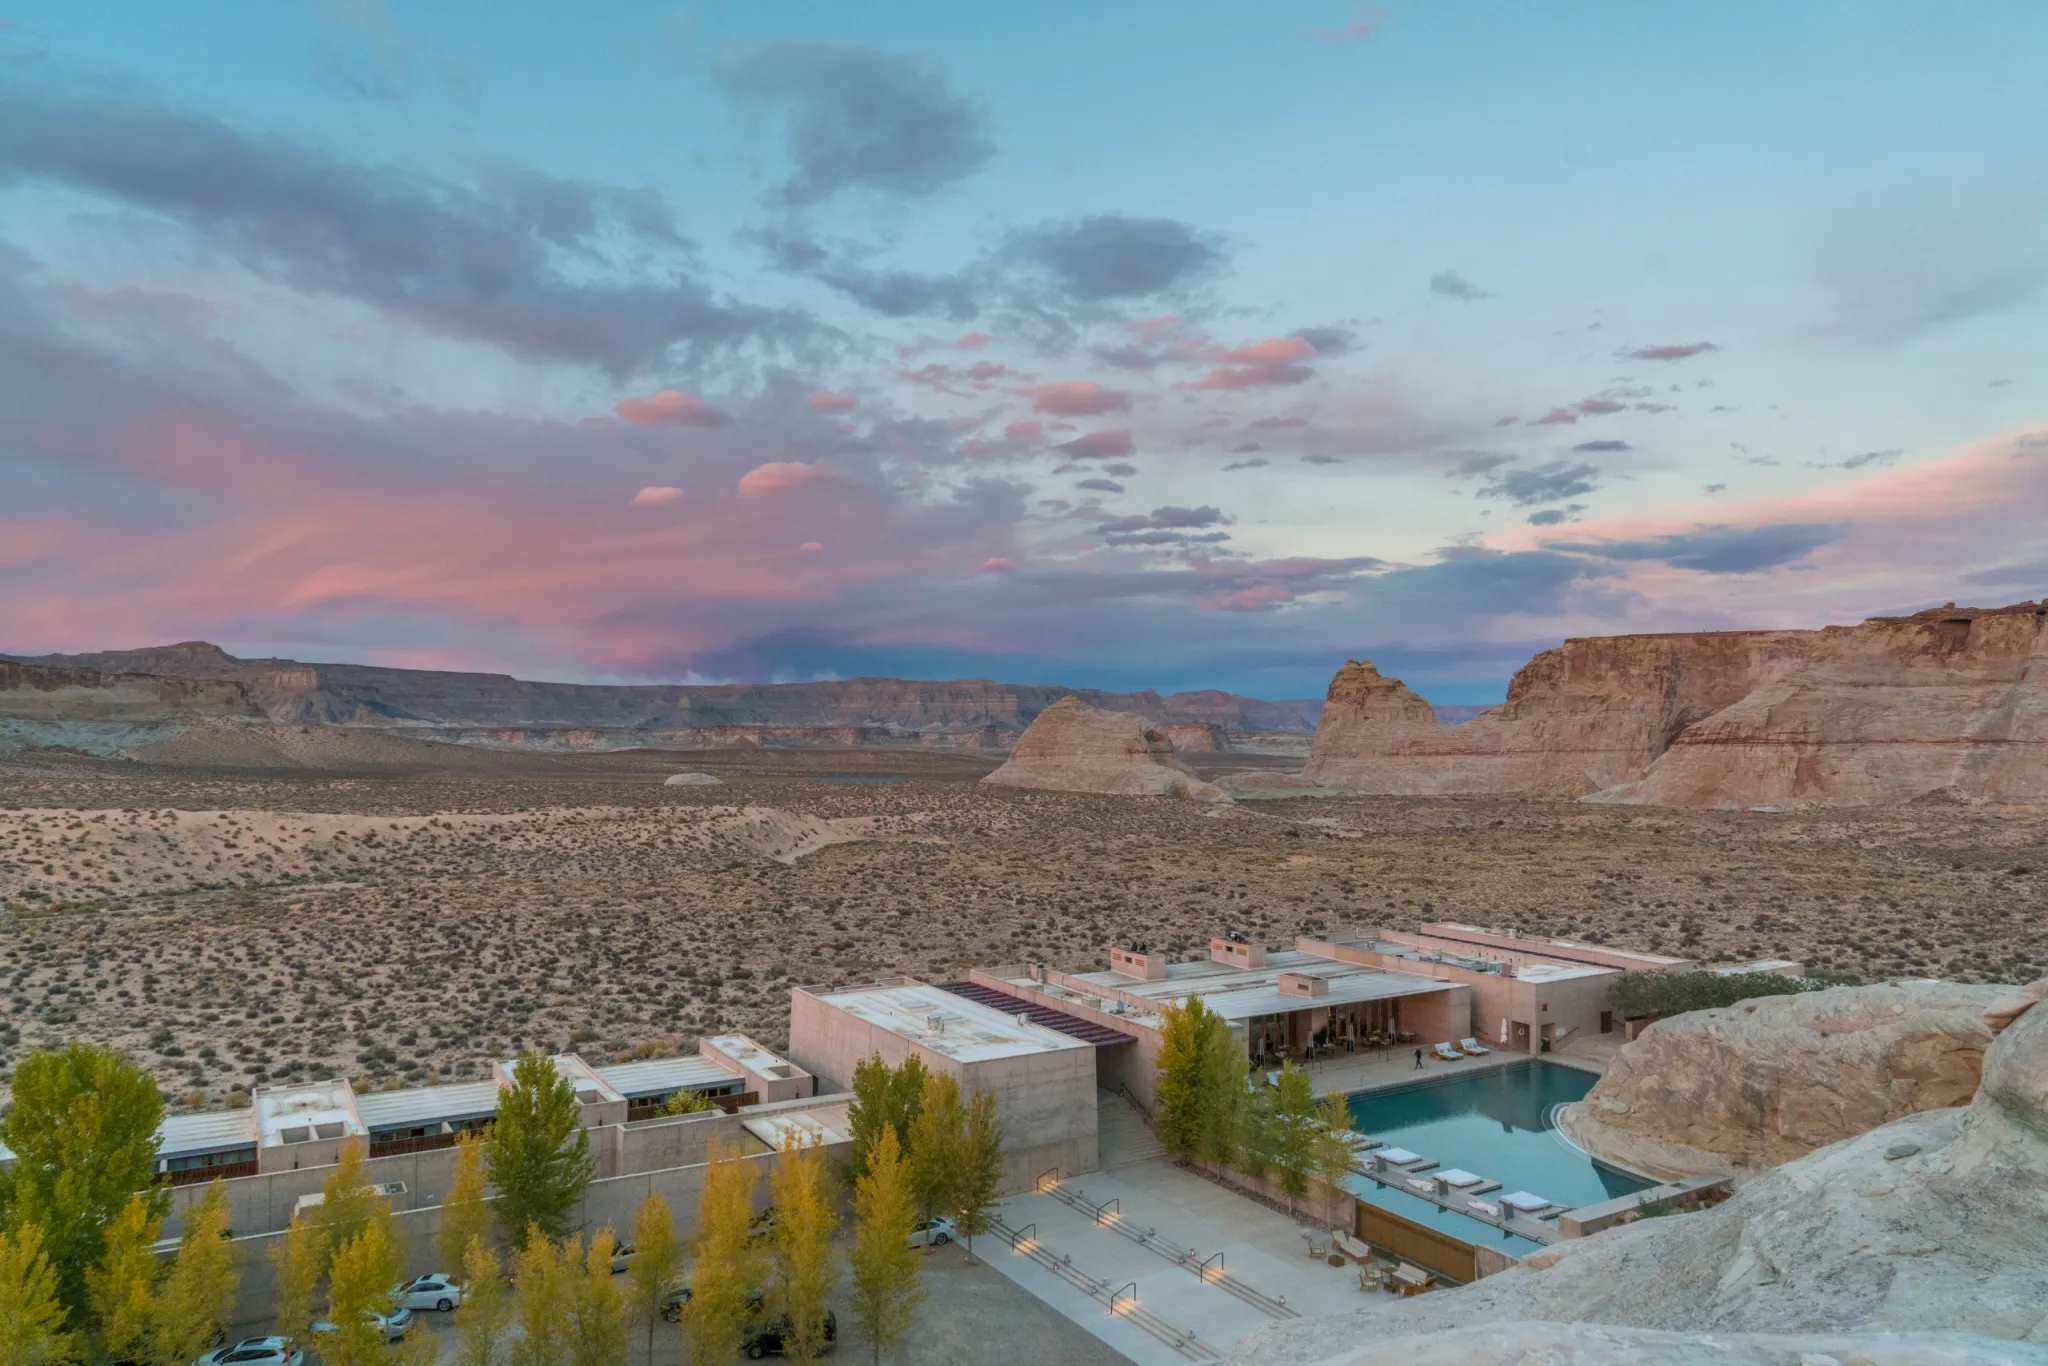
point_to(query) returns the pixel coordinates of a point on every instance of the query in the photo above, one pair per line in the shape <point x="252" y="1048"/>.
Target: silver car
<point x="271" y="1351"/>
<point x="437" y="1291"/>
<point x="393" y="1325"/>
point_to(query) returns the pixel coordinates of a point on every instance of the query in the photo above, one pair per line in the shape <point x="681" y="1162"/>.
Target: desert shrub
<point x="1655" y="995"/>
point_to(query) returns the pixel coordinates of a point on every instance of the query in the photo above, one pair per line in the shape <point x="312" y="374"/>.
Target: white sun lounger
<point x="1399" y="1157"/>
<point x="1525" y="1202"/>
<point x="1448" y="1053"/>
<point x="1458" y="1176"/>
<point x="1473" y="1047"/>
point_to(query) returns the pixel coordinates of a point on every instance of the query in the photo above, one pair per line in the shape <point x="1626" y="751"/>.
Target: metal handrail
<point x="1123" y="1088"/>
<point x="1039" y="1184"/>
<point x="1020" y="1236"/>
<point x="1112" y="1211"/>
<point x="1202" y="1269"/>
<point x="1116" y="1295"/>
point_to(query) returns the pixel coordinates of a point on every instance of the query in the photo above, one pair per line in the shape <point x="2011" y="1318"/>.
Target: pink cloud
<point x="1109" y="445"/>
<point x="1020" y="431"/>
<point x="973" y="341"/>
<point x="657" y="493"/>
<point x="1150" y="330"/>
<point x="978" y="377"/>
<point x="779" y="476"/>
<point x="1366" y="23"/>
<point x="1274" y="362"/>
<point x="671" y="408"/>
<point x="810" y="548"/>
<point x="997" y="564"/>
<point x="1254" y="599"/>
<point x="1556" y="417"/>
<point x="1597" y="406"/>
<point x="825" y="401"/>
<point x="1080" y="398"/>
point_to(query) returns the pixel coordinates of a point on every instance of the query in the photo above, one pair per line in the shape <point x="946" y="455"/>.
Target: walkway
<point x="1141" y="1236"/>
<point x="1376" y="1069"/>
<point x="1122" y="1135"/>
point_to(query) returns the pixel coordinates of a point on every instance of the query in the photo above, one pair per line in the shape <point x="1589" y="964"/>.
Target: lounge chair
<point x="1318" y="1248"/>
<point x="1473" y="1048"/>
<point x="1351" y="1247"/>
<point x="1448" y="1053"/>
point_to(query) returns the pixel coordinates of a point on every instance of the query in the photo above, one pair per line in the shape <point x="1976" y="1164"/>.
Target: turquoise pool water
<point x="1496" y="1123"/>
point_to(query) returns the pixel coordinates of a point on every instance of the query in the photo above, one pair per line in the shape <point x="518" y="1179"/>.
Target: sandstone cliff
<point x="498" y="711"/>
<point x="1951" y="702"/>
<point x="1073" y="747"/>
<point x="1935" y="1222"/>
<point x="1773" y="1079"/>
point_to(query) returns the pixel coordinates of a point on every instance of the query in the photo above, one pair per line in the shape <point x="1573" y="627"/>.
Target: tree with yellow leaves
<point x="198" y="1296"/>
<point x="359" y="1286"/>
<point x="31" y="1316"/>
<point x="884" y="1265"/>
<point x="464" y="1214"/>
<point x="657" y="1262"/>
<point x="297" y="1261"/>
<point x="802" y="1248"/>
<point x="541" y="1296"/>
<point x="726" y="1264"/>
<point x="485" y="1308"/>
<point x="597" y="1307"/>
<point x="347" y="1204"/>
<point x="121" y="1289"/>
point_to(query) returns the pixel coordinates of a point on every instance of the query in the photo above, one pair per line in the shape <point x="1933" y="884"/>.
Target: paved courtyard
<point x="1262" y="1250"/>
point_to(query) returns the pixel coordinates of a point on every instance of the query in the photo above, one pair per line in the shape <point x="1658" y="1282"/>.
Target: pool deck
<point x="1376" y="1071"/>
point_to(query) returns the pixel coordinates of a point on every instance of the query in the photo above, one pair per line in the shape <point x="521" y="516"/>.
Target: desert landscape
<point x="236" y="927"/>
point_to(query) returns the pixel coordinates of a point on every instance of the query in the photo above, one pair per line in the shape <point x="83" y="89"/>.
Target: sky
<point x="1147" y="345"/>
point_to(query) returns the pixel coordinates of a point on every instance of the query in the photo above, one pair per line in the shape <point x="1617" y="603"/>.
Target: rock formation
<point x="1073" y="747"/>
<point x="1773" y="1079"/>
<point x="1937" y="1222"/>
<point x="1596" y="1344"/>
<point x="691" y="780"/>
<point x="1948" y="702"/>
<point x="496" y="711"/>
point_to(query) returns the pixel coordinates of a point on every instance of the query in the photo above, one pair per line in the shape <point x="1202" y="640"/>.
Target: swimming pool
<point x="1495" y="1122"/>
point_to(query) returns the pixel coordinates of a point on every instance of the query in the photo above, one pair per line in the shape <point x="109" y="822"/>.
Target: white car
<point x="393" y="1325"/>
<point x="255" y="1352"/>
<point x="622" y="1257"/>
<point x="437" y="1291"/>
<point x="932" y="1232"/>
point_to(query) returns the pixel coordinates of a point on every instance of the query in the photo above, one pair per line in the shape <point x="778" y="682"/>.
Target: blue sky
<point x="1189" y="345"/>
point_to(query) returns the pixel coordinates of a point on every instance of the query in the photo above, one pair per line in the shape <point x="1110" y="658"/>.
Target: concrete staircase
<point x="1122" y="1136"/>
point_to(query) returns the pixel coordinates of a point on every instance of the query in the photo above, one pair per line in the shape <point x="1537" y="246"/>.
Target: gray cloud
<point x="1328" y="341"/>
<point x="1672" y="351"/>
<point x="542" y="267"/>
<point x="1553" y="516"/>
<point x="1449" y="284"/>
<point x="1100" y="485"/>
<point x="1601" y="447"/>
<point x="1472" y="464"/>
<point x="358" y="51"/>
<point x="1113" y="257"/>
<point x="891" y="293"/>
<point x="1110" y="445"/>
<point x="1716" y="549"/>
<point x="1167" y="526"/>
<point x="1857" y="462"/>
<point x="1257" y="463"/>
<point x="855" y="117"/>
<point x="1542" y="484"/>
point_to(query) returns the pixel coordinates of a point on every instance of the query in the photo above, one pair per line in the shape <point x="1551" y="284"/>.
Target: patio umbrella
<point x="1503" y="1029"/>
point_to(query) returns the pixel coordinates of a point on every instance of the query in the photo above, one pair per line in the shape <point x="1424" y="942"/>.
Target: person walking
<point x="1418" y="1060"/>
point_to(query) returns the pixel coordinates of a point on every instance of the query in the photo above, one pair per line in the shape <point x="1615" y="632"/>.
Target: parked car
<point x="437" y="1291"/>
<point x="393" y="1325"/>
<point x="934" y="1232"/>
<point x="272" y="1351"/>
<point x="763" y="1225"/>
<point x="672" y="1304"/>
<point x="622" y="1256"/>
<point x="765" y="1339"/>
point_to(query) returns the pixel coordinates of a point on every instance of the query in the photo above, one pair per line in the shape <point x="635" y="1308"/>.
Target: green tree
<point x="485" y="1307"/>
<point x="726" y="1266"/>
<point x="359" y="1285"/>
<point x="347" y="1203"/>
<point x="1291" y="1136"/>
<point x="464" y="1215"/>
<point x="656" y="1265"/>
<point x="297" y="1262"/>
<point x="198" y="1296"/>
<point x="1200" y="1091"/>
<point x="1224" y="1070"/>
<point x="31" y="1316"/>
<point x="938" y="1147"/>
<point x="882" y="1096"/>
<point x="541" y="1297"/>
<point x="883" y="1265"/>
<point x="689" y="1103"/>
<point x="538" y="1152"/>
<point x="802" y="1247"/>
<point x="1659" y="995"/>
<point x="122" y="1288"/>
<point x="981" y="1168"/>
<point x="597" y="1307"/>
<point x="82" y="1128"/>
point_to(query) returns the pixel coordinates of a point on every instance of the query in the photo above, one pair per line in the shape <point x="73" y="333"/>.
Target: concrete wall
<point x="1045" y="1101"/>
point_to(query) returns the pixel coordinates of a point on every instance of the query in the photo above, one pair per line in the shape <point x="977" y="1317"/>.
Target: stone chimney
<point x="1236" y="955"/>
<point x="1139" y="967"/>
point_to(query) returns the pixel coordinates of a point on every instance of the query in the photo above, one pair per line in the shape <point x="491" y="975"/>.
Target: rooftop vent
<point x="330" y="1130"/>
<point x="590" y="1095"/>
<point x="300" y="1134"/>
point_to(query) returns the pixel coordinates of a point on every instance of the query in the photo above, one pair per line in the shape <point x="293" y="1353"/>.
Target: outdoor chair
<point x="1317" y="1248"/>
<point x="1448" y="1053"/>
<point x="1473" y="1047"/>
<point x="1413" y="1280"/>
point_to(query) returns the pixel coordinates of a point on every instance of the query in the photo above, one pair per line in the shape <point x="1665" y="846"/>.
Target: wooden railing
<point x="199" y="1176"/>
<point x="425" y="1143"/>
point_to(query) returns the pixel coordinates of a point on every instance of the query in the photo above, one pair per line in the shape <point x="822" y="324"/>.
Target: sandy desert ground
<point x="404" y="928"/>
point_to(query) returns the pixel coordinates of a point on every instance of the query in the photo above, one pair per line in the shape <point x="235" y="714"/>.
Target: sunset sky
<point x="1169" y="345"/>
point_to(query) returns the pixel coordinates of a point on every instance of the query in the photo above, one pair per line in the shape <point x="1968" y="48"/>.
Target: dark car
<point x="672" y="1304"/>
<point x="765" y="1339"/>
